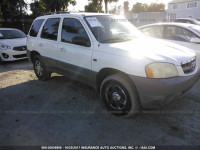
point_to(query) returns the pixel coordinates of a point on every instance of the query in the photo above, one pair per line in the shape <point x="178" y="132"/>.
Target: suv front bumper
<point x="155" y="93"/>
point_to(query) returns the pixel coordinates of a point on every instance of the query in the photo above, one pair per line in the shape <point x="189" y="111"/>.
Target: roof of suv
<point x="74" y="14"/>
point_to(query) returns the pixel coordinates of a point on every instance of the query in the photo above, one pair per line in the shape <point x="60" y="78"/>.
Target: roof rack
<point x="59" y="12"/>
<point x="62" y="12"/>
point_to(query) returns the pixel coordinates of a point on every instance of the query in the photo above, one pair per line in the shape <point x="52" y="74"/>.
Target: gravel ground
<point x="62" y="112"/>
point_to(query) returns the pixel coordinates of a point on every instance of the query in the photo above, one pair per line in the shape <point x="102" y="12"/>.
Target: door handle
<point x="40" y="45"/>
<point x="63" y="49"/>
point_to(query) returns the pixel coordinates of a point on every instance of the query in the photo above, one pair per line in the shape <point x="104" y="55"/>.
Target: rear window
<point x="50" y="29"/>
<point x="36" y="27"/>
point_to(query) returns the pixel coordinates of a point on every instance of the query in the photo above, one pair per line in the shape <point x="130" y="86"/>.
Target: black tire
<point x="119" y="96"/>
<point x="1" y="62"/>
<point x="40" y="69"/>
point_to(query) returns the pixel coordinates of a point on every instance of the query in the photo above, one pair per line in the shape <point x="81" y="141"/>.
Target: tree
<point x="126" y="7"/>
<point x="139" y="7"/>
<point x="10" y="9"/>
<point x="153" y="7"/>
<point x="116" y="10"/>
<point x="94" y="6"/>
<point x="38" y="8"/>
<point x="106" y="4"/>
<point x="57" y="5"/>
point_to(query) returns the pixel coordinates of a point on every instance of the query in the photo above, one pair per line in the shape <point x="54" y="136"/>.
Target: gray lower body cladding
<point x="155" y="93"/>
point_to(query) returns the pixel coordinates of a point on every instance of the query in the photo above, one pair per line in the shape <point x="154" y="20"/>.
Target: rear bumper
<point x="155" y="93"/>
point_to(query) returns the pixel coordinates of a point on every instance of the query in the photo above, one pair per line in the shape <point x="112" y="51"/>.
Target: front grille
<point x="20" y="48"/>
<point x="189" y="66"/>
<point x="20" y="56"/>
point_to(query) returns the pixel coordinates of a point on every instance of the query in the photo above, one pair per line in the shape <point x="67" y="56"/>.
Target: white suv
<point x="129" y="70"/>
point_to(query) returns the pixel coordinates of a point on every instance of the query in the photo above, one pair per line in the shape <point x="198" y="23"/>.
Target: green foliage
<point x="116" y="10"/>
<point x="39" y="7"/>
<point x="94" y="6"/>
<point x="126" y="7"/>
<point x="57" y="5"/>
<point x="106" y="4"/>
<point x="153" y="7"/>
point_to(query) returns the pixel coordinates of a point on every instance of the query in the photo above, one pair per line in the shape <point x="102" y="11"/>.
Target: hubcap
<point x="38" y="68"/>
<point x="116" y="97"/>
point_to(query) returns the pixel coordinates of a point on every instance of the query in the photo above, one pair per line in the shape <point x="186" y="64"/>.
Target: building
<point x="185" y="8"/>
<point x="144" y="18"/>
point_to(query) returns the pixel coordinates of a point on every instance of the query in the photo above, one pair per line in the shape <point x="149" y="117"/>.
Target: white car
<point x="12" y="44"/>
<point x="187" y="20"/>
<point x="129" y="70"/>
<point x="187" y="35"/>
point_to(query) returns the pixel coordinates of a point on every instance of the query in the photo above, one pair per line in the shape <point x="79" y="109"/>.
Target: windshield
<point x="196" y="28"/>
<point x="11" y="34"/>
<point x="112" y="29"/>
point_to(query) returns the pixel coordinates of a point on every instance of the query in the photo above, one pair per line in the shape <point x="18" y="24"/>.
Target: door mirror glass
<point x="80" y="40"/>
<point x="195" y="40"/>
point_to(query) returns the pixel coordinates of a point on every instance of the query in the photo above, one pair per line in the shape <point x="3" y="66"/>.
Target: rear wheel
<point x="119" y="96"/>
<point x="40" y="69"/>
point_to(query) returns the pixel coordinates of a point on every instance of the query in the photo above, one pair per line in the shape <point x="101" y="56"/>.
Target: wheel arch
<point x="105" y="72"/>
<point x="33" y="54"/>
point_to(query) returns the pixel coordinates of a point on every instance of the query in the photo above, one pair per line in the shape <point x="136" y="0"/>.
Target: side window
<point x="154" y="31"/>
<point x="179" y="34"/>
<point x="36" y="27"/>
<point x="73" y="32"/>
<point x="50" y="29"/>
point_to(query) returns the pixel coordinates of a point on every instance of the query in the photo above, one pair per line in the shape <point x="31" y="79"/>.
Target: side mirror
<point x="195" y="40"/>
<point x="79" y="40"/>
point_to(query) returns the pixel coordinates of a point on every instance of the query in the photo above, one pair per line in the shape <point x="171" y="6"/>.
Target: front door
<point x="75" y="49"/>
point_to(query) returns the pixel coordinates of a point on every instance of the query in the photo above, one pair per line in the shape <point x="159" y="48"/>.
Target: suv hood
<point x="154" y="49"/>
<point x="14" y="42"/>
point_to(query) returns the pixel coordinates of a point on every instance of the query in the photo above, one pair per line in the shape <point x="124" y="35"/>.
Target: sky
<point x="81" y="3"/>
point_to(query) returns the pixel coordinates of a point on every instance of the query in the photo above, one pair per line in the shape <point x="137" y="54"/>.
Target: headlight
<point x="4" y="47"/>
<point x="161" y="70"/>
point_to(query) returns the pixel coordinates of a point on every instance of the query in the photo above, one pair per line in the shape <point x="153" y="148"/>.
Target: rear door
<point x="32" y="40"/>
<point x="48" y="42"/>
<point x="75" y="49"/>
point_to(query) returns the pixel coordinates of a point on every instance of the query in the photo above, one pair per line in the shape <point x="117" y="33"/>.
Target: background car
<point x="12" y="44"/>
<point x="188" y="20"/>
<point x="187" y="35"/>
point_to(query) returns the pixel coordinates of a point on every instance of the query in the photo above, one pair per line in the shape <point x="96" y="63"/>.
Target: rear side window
<point x="50" y="29"/>
<point x="154" y="31"/>
<point x="36" y="27"/>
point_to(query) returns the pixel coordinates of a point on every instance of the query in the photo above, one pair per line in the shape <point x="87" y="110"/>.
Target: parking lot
<point x="63" y="112"/>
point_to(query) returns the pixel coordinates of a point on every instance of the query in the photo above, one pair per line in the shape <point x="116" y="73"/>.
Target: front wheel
<point x="119" y="96"/>
<point x="40" y="69"/>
